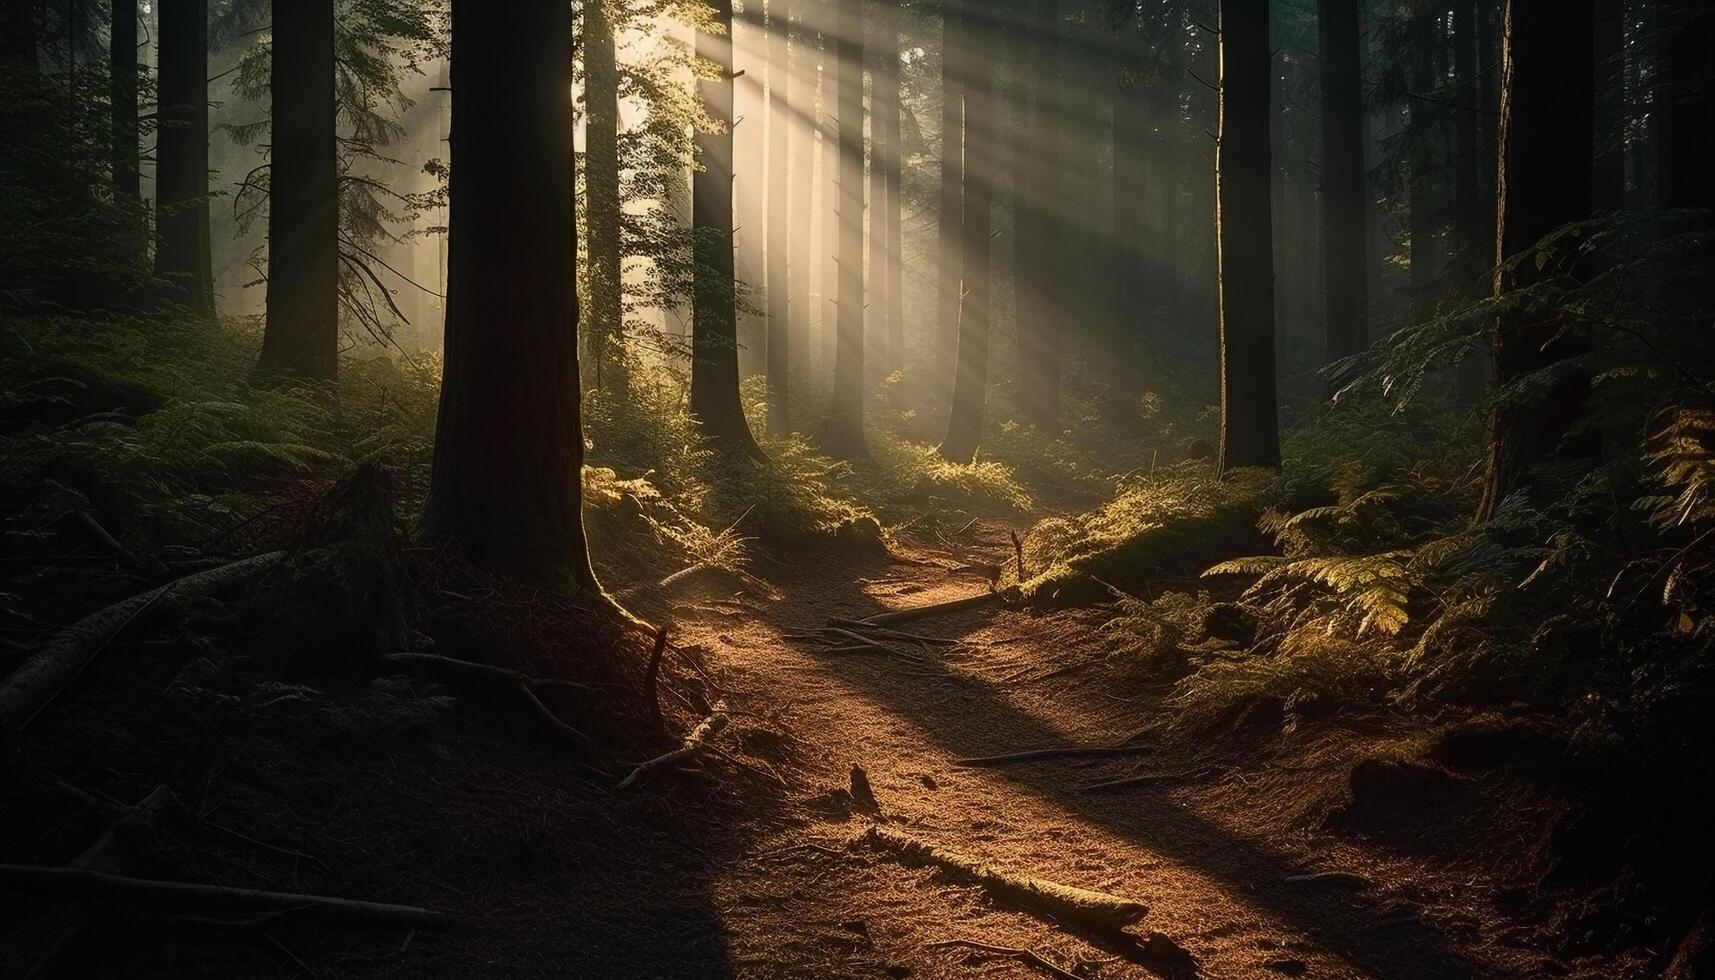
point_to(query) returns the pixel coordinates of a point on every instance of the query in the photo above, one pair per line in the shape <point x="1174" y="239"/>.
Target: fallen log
<point x="41" y="677"/>
<point x="1064" y="752"/>
<point x="1075" y="906"/>
<point x="689" y="749"/>
<point x="1027" y="956"/>
<point x="933" y="609"/>
<point x="83" y="883"/>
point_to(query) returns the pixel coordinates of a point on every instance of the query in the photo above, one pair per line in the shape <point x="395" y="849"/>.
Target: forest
<point x="1080" y="489"/>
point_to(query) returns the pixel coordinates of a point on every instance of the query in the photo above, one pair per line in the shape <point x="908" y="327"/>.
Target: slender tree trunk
<point x="506" y="479"/>
<point x="714" y="319"/>
<point x="1688" y="146"/>
<point x="1424" y="197"/>
<point x="778" y="271"/>
<point x="1547" y="123"/>
<point x="878" y="43"/>
<point x="830" y="183"/>
<point x="799" y="245"/>
<point x="950" y="217"/>
<point x="1244" y="240"/>
<point x="1345" y="229"/>
<point x="970" y="381"/>
<point x="604" y="322"/>
<point x="122" y="60"/>
<point x="182" y="253"/>
<point x="893" y="266"/>
<point x="302" y="335"/>
<point x="845" y="417"/>
<point x="1036" y="272"/>
<point x="1608" y="190"/>
<point x="1473" y="226"/>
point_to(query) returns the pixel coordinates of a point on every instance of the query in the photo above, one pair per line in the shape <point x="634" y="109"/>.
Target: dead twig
<point x="1064" y="752"/>
<point x="1018" y="553"/>
<point x="933" y="609"/>
<point x="688" y="750"/>
<point x="1026" y="956"/>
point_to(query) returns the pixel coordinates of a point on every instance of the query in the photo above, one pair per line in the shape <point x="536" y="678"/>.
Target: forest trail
<point x="1224" y="886"/>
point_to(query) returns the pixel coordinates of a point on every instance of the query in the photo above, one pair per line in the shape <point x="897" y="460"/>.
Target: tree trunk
<point x="845" y="417"/>
<point x="970" y="381"/>
<point x="1345" y="229"/>
<point x="778" y="271"/>
<point x="800" y="249"/>
<point x="20" y="33"/>
<point x="1688" y="149"/>
<point x="828" y="124"/>
<point x="302" y="335"/>
<point x="182" y="253"/>
<point x="950" y="215"/>
<point x="604" y="324"/>
<point x="1244" y="240"/>
<point x="714" y="319"/>
<point x="1423" y="195"/>
<point x="893" y="269"/>
<point x="122" y="54"/>
<point x="1036" y="274"/>
<point x="505" y="484"/>
<point x="1547" y="123"/>
<point x="1608" y="190"/>
<point x="884" y="189"/>
<point x="875" y="310"/>
<point x="1473" y="228"/>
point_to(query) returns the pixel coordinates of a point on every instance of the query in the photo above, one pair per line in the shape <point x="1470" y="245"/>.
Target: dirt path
<point x="804" y="903"/>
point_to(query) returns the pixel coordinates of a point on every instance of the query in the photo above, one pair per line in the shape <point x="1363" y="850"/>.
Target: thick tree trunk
<point x="1473" y="225"/>
<point x="302" y="335"/>
<point x="970" y="381"/>
<point x="714" y="319"/>
<point x="950" y="213"/>
<point x="1244" y="240"/>
<point x="1688" y="148"/>
<point x="875" y="310"/>
<point x="505" y="484"/>
<point x="780" y="126"/>
<point x="182" y="253"/>
<point x="1547" y="123"/>
<point x="604" y="319"/>
<point x="1345" y="229"/>
<point x="122" y="55"/>
<point x="1036" y="273"/>
<point x="845" y="416"/>
<point x="885" y="150"/>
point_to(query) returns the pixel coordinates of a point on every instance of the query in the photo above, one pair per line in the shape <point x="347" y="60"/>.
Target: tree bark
<point x="780" y="125"/>
<point x="1244" y="240"/>
<point x="845" y="418"/>
<point x="970" y="381"/>
<point x="950" y="215"/>
<point x="883" y="180"/>
<point x="122" y="58"/>
<point x="605" y="324"/>
<point x="714" y="317"/>
<point x="505" y="483"/>
<point x="1036" y="274"/>
<point x="893" y="268"/>
<point x="1546" y="139"/>
<point x="1473" y="228"/>
<point x="301" y="339"/>
<point x="182" y="253"/>
<point x="800" y="249"/>
<point x="1345" y="229"/>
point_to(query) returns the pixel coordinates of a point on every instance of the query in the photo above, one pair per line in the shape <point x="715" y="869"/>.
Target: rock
<point x="861" y="793"/>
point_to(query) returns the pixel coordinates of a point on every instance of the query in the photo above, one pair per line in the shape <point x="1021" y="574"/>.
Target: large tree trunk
<point x="505" y="484"/>
<point x="182" y="253"/>
<point x="604" y="320"/>
<point x="1343" y="182"/>
<point x="302" y="335"/>
<point x="970" y="381"/>
<point x="1473" y="225"/>
<point x="1547" y="124"/>
<point x="845" y="417"/>
<point x="714" y="319"/>
<point x="122" y="55"/>
<point x="1036" y="248"/>
<point x="884" y="186"/>
<point x="1688" y="148"/>
<point x="950" y="214"/>
<point x="780" y="125"/>
<point x="1244" y="240"/>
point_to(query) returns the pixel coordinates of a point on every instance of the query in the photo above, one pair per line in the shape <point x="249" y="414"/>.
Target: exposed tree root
<point x="1027" y="956"/>
<point x="933" y="609"/>
<point x="1066" y="903"/>
<point x="82" y="883"/>
<point x="41" y="678"/>
<point x="1066" y="752"/>
<point x="693" y="746"/>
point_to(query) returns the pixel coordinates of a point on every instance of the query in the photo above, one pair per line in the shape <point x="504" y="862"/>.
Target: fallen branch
<point x="933" y="609"/>
<point x="1077" y="906"/>
<point x="688" y="750"/>
<point x="1066" y="752"/>
<point x="682" y="574"/>
<point x="41" y="677"/>
<point x="1149" y="777"/>
<point x="858" y="624"/>
<point x="1027" y="956"/>
<point x="82" y="883"/>
<point x="92" y="527"/>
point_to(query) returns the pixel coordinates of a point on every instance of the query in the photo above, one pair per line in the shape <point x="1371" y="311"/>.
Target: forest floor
<point x="760" y="869"/>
